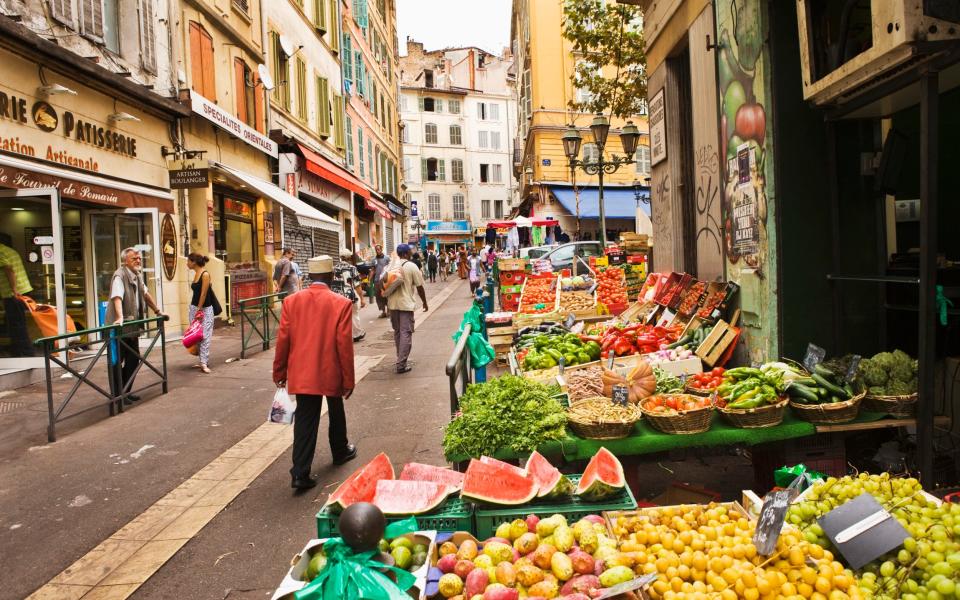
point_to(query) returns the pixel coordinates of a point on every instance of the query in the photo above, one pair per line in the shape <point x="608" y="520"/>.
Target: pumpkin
<point x="640" y="381"/>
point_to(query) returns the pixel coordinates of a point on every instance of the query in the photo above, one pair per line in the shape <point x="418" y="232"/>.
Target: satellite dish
<point x="286" y="45"/>
<point x="265" y="77"/>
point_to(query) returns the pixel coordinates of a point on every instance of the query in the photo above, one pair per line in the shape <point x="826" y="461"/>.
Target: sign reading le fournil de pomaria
<point x="218" y="116"/>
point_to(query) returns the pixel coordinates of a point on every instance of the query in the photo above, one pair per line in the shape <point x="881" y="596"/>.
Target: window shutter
<point x="420" y="103"/>
<point x="338" y="122"/>
<point x="206" y="56"/>
<point x="148" y="42"/>
<point x="240" y="89"/>
<point x="334" y="26"/>
<point x="91" y="19"/>
<point x="438" y="106"/>
<point x="323" y="106"/>
<point x="347" y="61"/>
<point x="258" y="107"/>
<point x="441" y="170"/>
<point x="320" y="15"/>
<point x="495" y="111"/>
<point x="196" y="59"/>
<point x="62" y="11"/>
<point x="423" y="169"/>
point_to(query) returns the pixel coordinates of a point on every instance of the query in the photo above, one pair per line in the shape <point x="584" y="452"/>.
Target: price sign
<point x="814" y="356"/>
<point x="610" y="359"/>
<point x="627" y="586"/>
<point x="862" y="530"/>
<point x="621" y="395"/>
<point x="561" y="364"/>
<point x="772" y="515"/>
<point x="852" y="369"/>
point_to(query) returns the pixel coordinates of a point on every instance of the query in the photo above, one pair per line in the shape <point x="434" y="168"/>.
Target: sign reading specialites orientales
<point x="168" y="246"/>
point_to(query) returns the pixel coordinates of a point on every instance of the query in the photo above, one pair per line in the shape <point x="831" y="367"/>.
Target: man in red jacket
<point x="314" y="358"/>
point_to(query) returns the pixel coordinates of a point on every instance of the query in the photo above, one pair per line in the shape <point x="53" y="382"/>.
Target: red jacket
<point x="315" y="345"/>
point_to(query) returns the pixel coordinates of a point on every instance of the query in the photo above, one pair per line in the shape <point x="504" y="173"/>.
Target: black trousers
<point x="128" y="357"/>
<point x="306" y="423"/>
<point x="15" y="314"/>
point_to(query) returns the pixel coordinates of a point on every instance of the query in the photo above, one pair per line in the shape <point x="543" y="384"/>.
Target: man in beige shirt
<point x="402" y="304"/>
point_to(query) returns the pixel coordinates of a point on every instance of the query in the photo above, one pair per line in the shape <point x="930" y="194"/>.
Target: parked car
<point x="562" y="256"/>
<point x="536" y="251"/>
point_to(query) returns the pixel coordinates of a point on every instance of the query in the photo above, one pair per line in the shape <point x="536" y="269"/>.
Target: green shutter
<point x="349" y="127"/>
<point x="441" y="170"/>
<point x="424" y="174"/>
<point x="320" y="14"/>
<point x="347" y="60"/>
<point x="323" y="106"/>
<point x="360" y="148"/>
<point x="338" y="122"/>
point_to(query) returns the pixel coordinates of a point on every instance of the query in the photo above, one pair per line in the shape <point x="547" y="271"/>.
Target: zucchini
<point x="831" y="388"/>
<point x="824" y="372"/>
<point x="684" y="340"/>
<point x="802" y="393"/>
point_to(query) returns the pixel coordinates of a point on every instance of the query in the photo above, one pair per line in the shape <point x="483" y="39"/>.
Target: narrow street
<point x="96" y="479"/>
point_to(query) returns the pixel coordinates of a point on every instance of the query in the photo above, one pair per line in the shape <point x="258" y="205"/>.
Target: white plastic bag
<point x="283" y="407"/>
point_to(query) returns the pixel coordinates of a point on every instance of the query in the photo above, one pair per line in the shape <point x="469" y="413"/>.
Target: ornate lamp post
<point x="600" y="128"/>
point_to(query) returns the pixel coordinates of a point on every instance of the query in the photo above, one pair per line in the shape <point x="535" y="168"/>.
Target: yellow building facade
<point x="545" y="63"/>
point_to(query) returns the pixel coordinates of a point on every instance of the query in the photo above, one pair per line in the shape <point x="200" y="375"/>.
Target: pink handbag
<point x="194" y="333"/>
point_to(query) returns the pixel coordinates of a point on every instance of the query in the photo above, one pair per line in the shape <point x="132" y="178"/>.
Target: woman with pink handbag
<point x="203" y="307"/>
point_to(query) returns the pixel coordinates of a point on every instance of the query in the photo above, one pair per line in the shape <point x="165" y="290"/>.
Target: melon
<point x="602" y="478"/>
<point x="361" y="486"/>
<point x="405" y="497"/>
<point x="489" y="460"/>
<point x="498" y="483"/>
<point x="421" y="472"/>
<point x="550" y="481"/>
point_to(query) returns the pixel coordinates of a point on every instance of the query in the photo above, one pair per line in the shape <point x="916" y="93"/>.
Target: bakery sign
<point x="66" y="125"/>
<point x="168" y="246"/>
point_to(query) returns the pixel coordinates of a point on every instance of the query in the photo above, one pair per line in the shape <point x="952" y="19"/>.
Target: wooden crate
<point x="719" y="340"/>
<point x="512" y="264"/>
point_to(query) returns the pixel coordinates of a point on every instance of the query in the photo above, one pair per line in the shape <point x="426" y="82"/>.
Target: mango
<point x="498" y="552"/>
<point x="561" y="566"/>
<point x="615" y="575"/>
<point x="450" y="585"/>
<point x="563" y="538"/>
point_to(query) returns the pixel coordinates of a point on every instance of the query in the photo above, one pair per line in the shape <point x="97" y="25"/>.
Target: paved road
<point x="58" y="501"/>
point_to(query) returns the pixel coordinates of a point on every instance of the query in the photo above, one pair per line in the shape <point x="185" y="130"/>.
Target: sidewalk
<point x="102" y="474"/>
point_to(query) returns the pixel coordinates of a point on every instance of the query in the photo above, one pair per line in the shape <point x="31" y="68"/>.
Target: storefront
<point x="626" y="209"/>
<point x="373" y="217"/>
<point x="394" y="228"/>
<point x="448" y="234"/>
<point x="67" y="207"/>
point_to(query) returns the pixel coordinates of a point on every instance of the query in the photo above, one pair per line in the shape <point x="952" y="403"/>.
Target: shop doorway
<point x="32" y="255"/>
<point x="112" y="231"/>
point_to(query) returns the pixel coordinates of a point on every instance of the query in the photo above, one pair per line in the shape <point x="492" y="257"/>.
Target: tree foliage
<point x="609" y="35"/>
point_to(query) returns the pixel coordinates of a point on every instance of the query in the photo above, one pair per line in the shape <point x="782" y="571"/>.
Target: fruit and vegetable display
<point x="584" y="383"/>
<point x="576" y="301"/>
<point x="640" y="381"/>
<point x="667" y="383"/>
<point x="539" y="295"/>
<point x="407" y="551"/>
<point x="674" y="404"/>
<point x="530" y="558"/>
<point x="601" y="410"/>
<point x="543" y="350"/>
<point x="752" y="387"/>
<point x="706" y="382"/>
<point x="579" y="282"/>
<point x="889" y="374"/>
<point x="508" y="412"/>
<point x="822" y="386"/>
<point x="926" y="566"/>
<point x="706" y="551"/>
<point x="691" y="298"/>
<point x="636" y="338"/>
<point x="611" y="287"/>
<point x="691" y="340"/>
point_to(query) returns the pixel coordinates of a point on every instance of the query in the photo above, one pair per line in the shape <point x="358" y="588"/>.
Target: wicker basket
<point x="897" y="406"/>
<point x="688" y="389"/>
<point x="829" y="414"/>
<point x="603" y="430"/>
<point x="753" y="418"/>
<point x="681" y="423"/>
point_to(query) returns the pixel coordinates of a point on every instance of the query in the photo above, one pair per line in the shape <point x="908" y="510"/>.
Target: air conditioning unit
<point x="844" y="45"/>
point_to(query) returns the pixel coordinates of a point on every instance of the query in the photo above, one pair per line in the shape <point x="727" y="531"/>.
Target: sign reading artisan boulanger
<point x="213" y="113"/>
<point x="46" y="118"/>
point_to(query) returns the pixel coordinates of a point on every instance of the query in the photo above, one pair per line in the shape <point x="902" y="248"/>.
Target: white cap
<point x="320" y="264"/>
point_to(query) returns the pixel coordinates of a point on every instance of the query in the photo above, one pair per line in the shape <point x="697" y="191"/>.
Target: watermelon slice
<point x="489" y="460"/>
<point x="421" y="472"/>
<point x="498" y="483"/>
<point x="552" y="483"/>
<point x="362" y="485"/>
<point x="602" y="478"/>
<point x="404" y="497"/>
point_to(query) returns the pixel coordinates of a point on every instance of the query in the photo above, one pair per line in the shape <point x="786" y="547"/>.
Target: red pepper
<point x="623" y="347"/>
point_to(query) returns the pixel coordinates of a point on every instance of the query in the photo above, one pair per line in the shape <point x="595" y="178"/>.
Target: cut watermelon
<point x="421" y="472"/>
<point x="362" y="485"/>
<point x="602" y="478"/>
<point x="498" y="483"/>
<point x="403" y="497"/>
<point x="551" y="482"/>
<point x="489" y="460"/>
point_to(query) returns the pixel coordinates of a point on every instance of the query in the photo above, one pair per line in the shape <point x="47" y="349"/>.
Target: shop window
<point x="456" y="135"/>
<point x="456" y="170"/>
<point x="430" y="133"/>
<point x="485" y="209"/>
<point x="459" y="209"/>
<point x="235" y="233"/>
<point x="433" y="202"/>
<point x="203" y="80"/>
<point x="246" y="92"/>
<point x="498" y="209"/>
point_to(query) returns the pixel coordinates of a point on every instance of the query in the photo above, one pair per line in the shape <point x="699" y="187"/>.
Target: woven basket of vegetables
<point x="897" y="406"/>
<point x="825" y="397"/>
<point x="752" y="397"/>
<point x="891" y="380"/>
<point x="599" y="418"/>
<point x="768" y="415"/>
<point x="680" y="414"/>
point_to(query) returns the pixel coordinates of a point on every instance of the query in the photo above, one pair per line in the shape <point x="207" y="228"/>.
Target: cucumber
<point x="831" y="388"/>
<point x="802" y="393"/>
<point x="824" y="372"/>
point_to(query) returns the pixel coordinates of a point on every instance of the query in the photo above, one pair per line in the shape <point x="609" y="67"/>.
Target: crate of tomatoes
<point x="706" y="383"/>
<point x="539" y="295"/>
<point x="612" y="289"/>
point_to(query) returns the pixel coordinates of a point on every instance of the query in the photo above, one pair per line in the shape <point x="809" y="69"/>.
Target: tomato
<point x="717" y="371"/>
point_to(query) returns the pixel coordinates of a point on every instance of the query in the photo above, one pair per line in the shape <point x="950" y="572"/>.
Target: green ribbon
<point x="351" y="576"/>
<point x="942" y="303"/>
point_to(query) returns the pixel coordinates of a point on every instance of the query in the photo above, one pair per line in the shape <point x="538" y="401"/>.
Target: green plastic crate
<point x="572" y="508"/>
<point x="453" y="515"/>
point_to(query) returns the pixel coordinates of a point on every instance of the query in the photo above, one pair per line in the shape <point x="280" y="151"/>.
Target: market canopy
<point x="307" y="215"/>
<point x="618" y="202"/>
<point x="523" y="222"/>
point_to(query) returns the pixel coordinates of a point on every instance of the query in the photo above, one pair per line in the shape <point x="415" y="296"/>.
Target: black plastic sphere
<point x="361" y="526"/>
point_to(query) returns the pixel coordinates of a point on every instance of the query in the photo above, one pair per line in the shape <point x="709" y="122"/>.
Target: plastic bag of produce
<point x="640" y="381"/>
<point x="282" y="408"/>
<point x="481" y="352"/>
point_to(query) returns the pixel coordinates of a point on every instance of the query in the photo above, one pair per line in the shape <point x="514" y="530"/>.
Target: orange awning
<point x="338" y="176"/>
<point x="378" y="207"/>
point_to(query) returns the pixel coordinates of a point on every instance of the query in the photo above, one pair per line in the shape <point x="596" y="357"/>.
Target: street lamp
<point x="419" y="227"/>
<point x="600" y="128"/>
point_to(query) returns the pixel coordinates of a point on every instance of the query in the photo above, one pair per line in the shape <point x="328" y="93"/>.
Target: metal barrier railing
<point x="458" y="369"/>
<point x="113" y="339"/>
<point x="261" y="314"/>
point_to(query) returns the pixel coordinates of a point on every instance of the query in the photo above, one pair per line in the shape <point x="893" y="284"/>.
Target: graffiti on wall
<point x="707" y="197"/>
<point x="743" y="132"/>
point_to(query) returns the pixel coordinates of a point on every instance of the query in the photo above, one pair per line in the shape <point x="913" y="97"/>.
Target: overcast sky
<point x="454" y="23"/>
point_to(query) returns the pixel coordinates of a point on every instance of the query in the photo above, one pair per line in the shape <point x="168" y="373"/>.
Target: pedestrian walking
<point x="314" y="359"/>
<point x="204" y="301"/>
<point x="14" y="283"/>
<point x="380" y="264"/>
<point x="129" y="300"/>
<point x="443" y="264"/>
<point x="475" y="266"/>
<point x="462" y="263"/>
<point x="285" y="278"/>
<point x="346" y="282"/>
<point x="432" y="265"/>
<point x="402" y="304"/>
